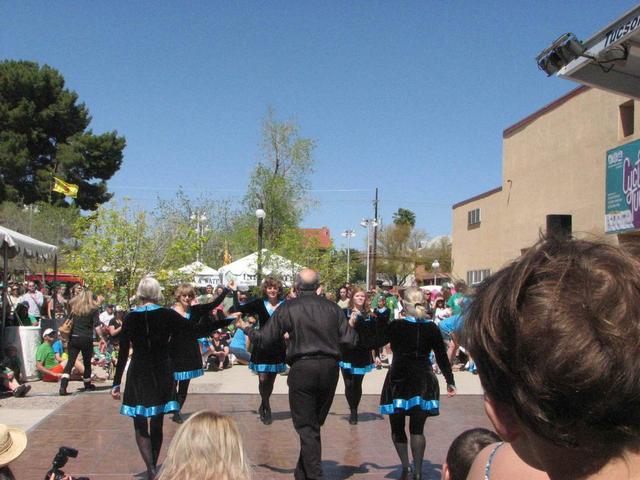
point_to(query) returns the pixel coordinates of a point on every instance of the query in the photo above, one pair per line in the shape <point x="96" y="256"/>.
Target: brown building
<point x="554" y="162"/>
<point x="320" y="237"/>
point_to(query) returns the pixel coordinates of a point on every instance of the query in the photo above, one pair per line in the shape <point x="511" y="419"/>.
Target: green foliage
<point x="404" y="217"/>
<point x="279" y="183"/>
<point x="44" y="133"/>
<point x="441" y="251"/>
<point x="118" y="246"/>
<point x="399" y="250"/>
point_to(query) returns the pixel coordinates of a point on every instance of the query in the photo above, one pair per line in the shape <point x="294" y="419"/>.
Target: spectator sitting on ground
<point x="220" y="350"/>
<point x="62" y="356"/>
<point x="463" y="451"/>
<point x="49" y="369"/>
<point x="11" y="378"/>
<point x="13" y="442"/>
<point x="13" y="362"/>
<point x="555" y="336"/>
<point x="208" y="446"/>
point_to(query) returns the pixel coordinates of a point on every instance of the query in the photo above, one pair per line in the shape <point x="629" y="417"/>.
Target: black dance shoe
<point x="406" y="474"/>
<point x="267" y="416"/>
<point x="353" y="418"/>
<point x="177" y="418"/>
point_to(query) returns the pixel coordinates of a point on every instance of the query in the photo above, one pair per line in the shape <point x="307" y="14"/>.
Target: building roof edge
<point x="547" y="108"/>
<point x="477" y="197"/>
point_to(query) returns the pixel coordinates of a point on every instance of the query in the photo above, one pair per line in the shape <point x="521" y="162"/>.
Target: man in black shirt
<point x="316" y="328"/>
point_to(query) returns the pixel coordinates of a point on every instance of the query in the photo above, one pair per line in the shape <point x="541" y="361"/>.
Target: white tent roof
<point x="17" y="243"/>
<point x="245" y="268"/>
<point x="199" y="268"/>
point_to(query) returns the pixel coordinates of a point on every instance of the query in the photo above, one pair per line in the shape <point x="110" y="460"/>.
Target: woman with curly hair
<point x="266" y="362"/>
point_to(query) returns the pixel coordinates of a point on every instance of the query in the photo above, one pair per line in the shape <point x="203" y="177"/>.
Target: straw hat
<point x="13" y="441"/>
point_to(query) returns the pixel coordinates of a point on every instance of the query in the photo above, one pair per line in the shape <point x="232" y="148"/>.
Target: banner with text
<point x="622" y="202"/>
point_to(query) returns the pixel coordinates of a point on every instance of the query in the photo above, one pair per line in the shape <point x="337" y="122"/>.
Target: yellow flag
<point x="67" y="189"/>
<point x="227" y="257"/>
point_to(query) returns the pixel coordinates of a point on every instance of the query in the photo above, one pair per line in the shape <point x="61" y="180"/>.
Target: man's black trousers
<point x="312" y="384"/>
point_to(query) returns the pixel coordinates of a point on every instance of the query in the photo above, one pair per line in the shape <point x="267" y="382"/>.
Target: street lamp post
<point x="260" y="214"/>
<point x="435" y="266"/>
<point x="199" y="218"/>
<point x="369" y="223"/>
<point x="349" y="234"/>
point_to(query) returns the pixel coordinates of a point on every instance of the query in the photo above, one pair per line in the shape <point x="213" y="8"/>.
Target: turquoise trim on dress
<point x="188" y="375"/>
<point x="267" y="367"/>
<point x="141" y="411"/>
<point x="147" y="308"/>
<point x="267" y="306"/>
<point x="356" y="370"/>
<point x="431" y="406"/>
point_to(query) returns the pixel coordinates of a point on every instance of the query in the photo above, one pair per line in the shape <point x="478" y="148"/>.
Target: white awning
<point x="19" y="244"/>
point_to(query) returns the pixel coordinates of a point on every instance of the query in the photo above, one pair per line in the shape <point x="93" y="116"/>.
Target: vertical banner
<point x="622" y="196"/>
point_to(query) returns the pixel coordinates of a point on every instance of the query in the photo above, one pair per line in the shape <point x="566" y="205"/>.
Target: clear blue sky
<point x="410" y="97"/>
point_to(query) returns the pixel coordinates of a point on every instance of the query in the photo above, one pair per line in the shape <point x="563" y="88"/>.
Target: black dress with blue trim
<point x="357" y="359"/>
<point x="263" y="360"/>
<point x="185" y="349"/>
<point x="150" y="387"/>
<point x="410" y="381"/>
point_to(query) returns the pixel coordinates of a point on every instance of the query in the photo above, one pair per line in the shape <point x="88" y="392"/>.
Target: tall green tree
<point x="280" y="181"/>
<point x="44" y="133"/>
<point x="399" y="250"/>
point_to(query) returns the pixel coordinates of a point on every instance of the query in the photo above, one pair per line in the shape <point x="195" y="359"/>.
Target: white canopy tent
<point x="244" y="270"/>
<point x="13" y="244"/>
<point x="203" y="275"/>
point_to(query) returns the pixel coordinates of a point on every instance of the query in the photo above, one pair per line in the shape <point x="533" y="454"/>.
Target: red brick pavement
<point x="91" y="423"/>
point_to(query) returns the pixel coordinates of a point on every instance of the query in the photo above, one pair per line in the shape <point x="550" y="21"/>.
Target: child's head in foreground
<point x="556" y="339"/>
<point x="207" y="446"/>
<point x="463" y="451"/>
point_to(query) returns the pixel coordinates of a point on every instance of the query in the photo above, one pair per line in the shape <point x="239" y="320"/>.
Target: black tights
<point x="417" y="419"/>
<point x="182" y="387"/>
<point x="265" y="387"/>
<point x="352" y="388"/>
<point x="149" y="438"/>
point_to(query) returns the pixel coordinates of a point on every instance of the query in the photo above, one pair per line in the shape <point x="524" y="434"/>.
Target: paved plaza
<point x="90" y="422"/>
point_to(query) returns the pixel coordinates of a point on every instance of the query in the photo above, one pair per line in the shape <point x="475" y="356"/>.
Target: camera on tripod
<point x="59" y="461"/>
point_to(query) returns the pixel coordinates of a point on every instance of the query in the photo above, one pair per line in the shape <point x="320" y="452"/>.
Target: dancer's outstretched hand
<point x="232" y="284"/>
<point x="115" y="392"/>
<point x="451" y="390"/>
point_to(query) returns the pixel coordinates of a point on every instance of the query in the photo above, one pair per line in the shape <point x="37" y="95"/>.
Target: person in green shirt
<point x="46" y="364"/>
<point x="455" y="301"/>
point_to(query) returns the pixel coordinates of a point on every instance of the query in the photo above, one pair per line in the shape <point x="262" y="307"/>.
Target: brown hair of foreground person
<point x="556" y="339"/>
<point x="208" y="446"/>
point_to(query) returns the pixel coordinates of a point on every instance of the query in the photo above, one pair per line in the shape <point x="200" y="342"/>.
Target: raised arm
<point x="203" y="309"/>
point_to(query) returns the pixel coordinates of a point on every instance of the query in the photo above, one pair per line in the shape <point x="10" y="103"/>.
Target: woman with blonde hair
<point x="184" y="348"/>
<point x="84" y="311"/>
<point x="411" y="388"/>
<point x="207" y="446"/>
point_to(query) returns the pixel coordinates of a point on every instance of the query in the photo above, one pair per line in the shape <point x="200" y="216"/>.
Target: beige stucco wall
<point x="554" y="164"/>
<point x="477" y="248"/>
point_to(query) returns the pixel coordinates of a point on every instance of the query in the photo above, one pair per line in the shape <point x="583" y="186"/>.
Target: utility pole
<point x="375" y="240"/>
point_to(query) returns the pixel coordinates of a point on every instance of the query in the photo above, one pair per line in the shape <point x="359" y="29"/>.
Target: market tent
<point x="202" y="274"/>
<point x="15" y="243"/>
<point x="244" y="270"/>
